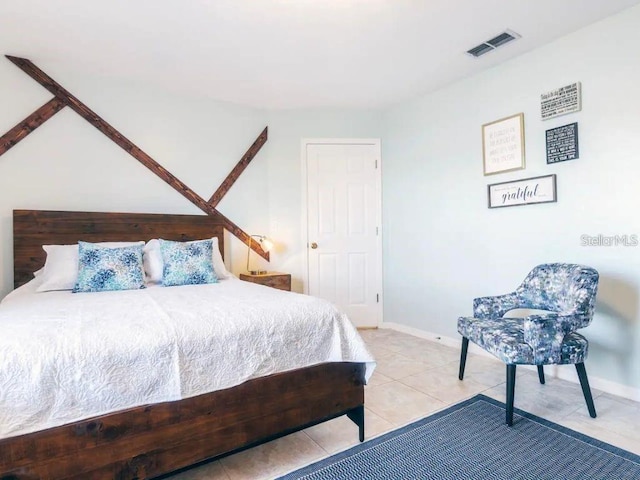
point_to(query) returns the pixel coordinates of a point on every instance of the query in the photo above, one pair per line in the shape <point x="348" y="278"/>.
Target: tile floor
<point x="415" y="378"/>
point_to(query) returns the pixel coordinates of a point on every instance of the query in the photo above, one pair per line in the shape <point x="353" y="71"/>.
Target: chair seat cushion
<point x="504" y="338"/>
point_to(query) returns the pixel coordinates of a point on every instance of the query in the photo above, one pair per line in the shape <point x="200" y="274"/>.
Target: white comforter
<point x="65" y="357"/>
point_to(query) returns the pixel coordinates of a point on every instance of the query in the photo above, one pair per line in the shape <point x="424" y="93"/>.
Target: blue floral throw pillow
<point x="102" y="268"/>
<point x="187" y="263"/>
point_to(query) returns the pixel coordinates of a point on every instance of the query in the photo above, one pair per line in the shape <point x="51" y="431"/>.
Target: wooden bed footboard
<point x="156" y="439"/>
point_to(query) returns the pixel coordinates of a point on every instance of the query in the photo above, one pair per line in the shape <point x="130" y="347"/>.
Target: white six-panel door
<point x="343" y="227"/>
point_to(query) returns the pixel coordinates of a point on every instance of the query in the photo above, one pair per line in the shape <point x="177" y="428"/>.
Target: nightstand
<point x="281" y="281"/>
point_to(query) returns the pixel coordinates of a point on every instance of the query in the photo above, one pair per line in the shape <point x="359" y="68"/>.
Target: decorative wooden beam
<point x="239" y="168"/>
<point x="240" y="234"/>
<point x="94" y="119"/>
<point x="30" y="123"/>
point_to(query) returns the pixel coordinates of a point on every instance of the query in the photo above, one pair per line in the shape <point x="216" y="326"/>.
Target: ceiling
<point x="286" y="53"/>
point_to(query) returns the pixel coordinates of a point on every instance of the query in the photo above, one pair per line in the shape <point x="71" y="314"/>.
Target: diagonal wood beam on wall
<point x="94" y="119"/>
<point x="29" y="124"/>
<point x="239" y="168"/>
<point x="239" y="233"/>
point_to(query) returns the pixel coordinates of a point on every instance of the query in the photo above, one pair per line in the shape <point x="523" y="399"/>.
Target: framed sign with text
<point x="503" y="145"/>
<point x="562" y="143"/>
<point x="561" y="101"/>
<point x="523" y="192"/>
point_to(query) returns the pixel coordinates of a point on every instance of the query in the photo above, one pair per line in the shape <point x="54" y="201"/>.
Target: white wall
<point x="69" y="165"/>
<point x="443" y="246"/>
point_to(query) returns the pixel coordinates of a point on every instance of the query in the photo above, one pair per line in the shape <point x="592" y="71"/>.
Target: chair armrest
<point x="494" y="307"/>
<point x="544" y="333"/>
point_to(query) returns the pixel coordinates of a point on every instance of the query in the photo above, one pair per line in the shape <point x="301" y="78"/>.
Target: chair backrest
<point x="564" y="288"/>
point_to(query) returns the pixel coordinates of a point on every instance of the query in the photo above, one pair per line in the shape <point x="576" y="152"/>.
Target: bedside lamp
<point x="266" y="244"/>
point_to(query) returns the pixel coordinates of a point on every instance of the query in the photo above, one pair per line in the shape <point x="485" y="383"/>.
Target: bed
<point x="150" y="440"/>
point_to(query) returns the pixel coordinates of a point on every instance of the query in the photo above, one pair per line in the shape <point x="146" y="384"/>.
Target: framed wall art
<point x="526" y="191"/>
<point x="562" y="143"/>
<point x="561" y="101"/>
<point x="503" y="145"/>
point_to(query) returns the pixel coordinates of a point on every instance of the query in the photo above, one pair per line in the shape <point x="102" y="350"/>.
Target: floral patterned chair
<point x="568" y="293"/>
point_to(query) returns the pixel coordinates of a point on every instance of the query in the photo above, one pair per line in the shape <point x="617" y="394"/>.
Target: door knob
<point x="314" y="245"/>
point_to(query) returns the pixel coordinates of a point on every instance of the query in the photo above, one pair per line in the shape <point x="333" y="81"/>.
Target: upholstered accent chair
<point x="568" y="293"/>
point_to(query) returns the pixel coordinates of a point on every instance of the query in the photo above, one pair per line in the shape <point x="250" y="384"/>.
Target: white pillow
<point x="152" y="260"/>
<point x="218" y="263"/>
<point x="60" y="270"/>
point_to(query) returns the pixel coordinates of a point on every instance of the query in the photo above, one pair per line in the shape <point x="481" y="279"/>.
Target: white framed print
<point x="526" y="191"/>
<point x="503" y="145"/>
<point x="561" y="101"/>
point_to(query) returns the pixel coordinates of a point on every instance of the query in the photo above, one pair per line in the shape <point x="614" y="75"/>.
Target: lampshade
<point x="266" y="244"/>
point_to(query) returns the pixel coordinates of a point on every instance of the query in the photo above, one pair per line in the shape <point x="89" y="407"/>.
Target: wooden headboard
<point x="34" y="228"/>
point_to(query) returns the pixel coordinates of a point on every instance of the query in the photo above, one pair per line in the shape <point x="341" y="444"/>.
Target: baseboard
<point x="598" y="383"/>
<point x="434" y="337"/>
<point x="567" y="374"/>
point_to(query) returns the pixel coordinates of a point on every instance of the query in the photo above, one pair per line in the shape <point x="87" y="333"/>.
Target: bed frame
<point x="155" y="439"/>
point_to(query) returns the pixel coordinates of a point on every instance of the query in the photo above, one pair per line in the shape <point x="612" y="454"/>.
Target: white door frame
<point x="305" y="201"/>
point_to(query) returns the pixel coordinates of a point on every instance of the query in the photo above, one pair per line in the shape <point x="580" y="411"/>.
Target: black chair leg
<point x="463" y="357"/>
<point x="586" y="390"/>
<point x="541" y="374"/>
<point x="511" y="387"/>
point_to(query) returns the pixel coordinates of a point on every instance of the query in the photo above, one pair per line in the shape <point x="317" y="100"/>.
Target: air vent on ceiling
<point x="497" y="41"/>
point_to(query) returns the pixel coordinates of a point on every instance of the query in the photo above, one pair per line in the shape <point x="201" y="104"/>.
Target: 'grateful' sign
<point x="523" y="192"/>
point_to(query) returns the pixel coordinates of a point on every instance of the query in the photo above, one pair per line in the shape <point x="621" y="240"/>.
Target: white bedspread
<point x="65" y="357"/>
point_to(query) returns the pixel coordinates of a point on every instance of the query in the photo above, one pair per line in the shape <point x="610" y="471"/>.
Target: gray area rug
<point x="470" y="440"/>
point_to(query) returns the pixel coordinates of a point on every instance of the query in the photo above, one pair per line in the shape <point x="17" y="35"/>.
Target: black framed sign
<point x="526" y="191"/>
<point x="562" y="143"/>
